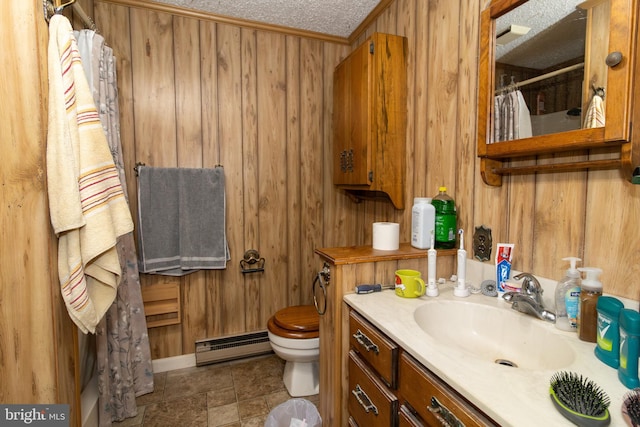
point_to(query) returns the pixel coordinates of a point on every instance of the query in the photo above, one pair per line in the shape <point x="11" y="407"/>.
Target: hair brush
<point x="580" y="400"/>
<point x="631" y="407"/>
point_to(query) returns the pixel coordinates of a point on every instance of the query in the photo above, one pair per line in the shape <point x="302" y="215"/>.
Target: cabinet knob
<point x="613" y="59"/>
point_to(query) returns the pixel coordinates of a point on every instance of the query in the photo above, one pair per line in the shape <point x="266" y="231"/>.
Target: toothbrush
<point x="432" y="285"/>
<point x="461" y="289"/>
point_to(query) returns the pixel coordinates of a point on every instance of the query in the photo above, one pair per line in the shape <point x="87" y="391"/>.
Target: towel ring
<point x="251" y="258"/>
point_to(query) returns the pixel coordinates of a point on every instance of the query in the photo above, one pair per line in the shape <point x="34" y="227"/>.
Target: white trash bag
<point x="294" y="413"/>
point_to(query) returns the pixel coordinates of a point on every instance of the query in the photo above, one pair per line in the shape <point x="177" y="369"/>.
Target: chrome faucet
<point x="529" y="299"/>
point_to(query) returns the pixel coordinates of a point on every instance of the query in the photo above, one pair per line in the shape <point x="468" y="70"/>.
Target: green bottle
<point x="446" y="220"/>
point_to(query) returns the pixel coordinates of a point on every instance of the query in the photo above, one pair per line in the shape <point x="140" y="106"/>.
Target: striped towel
<point x="86" y="202"/>
<point x="595" y="113"/>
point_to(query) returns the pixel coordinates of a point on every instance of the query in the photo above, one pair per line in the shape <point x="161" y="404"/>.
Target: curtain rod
<point x="88" y="22"/>
<point x="56" y="6"/>
<point x="545" y="76"/>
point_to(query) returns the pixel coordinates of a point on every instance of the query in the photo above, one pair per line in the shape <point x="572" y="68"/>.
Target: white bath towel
<point x="86" y="202"/>
<point x="595" y="113"/>
<point x="181" y="218"/>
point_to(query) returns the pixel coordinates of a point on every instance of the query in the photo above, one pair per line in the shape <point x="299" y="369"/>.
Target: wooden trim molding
<point x="208" y="16"/>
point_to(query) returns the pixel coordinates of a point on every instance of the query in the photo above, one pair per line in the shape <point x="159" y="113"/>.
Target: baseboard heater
<point x="232" y="347"/>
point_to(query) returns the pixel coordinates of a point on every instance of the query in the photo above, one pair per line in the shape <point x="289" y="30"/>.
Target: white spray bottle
<point x="432" y="284"/>
<point x="461" y="289"/>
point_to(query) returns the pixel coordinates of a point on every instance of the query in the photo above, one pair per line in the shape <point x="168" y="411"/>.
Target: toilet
<point x="295" y="337"/>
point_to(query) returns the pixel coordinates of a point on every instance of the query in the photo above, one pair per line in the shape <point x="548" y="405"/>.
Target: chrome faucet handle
<point x="530" y="284"/>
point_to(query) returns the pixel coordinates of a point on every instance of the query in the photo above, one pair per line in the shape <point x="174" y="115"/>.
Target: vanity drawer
<point x="407" y="419"/>
<point x="433" y="400"/>
<point x="370" y="402"/>
<point x="378" y="350"/>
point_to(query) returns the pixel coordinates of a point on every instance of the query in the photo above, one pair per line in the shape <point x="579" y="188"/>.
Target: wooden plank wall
<point x="37" y="338"/>
<point x="195" y="93"/>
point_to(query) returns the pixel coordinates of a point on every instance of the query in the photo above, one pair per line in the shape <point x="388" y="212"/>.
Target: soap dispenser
<point x="590" y="291"/>
<point x="568" y="297"/>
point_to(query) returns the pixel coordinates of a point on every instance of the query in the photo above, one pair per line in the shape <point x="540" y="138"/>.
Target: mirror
<point x="538" y="89"/>
<point x="556" y="66"/>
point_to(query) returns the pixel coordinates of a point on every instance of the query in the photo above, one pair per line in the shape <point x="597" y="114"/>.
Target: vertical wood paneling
<point x="465" y="172"/>
<point x="406" y="26"/>
<point x="154" y="92"/>
<point x="210" y="157"/>
<point x="422" y="166"/>
<point x="272" y="152"/>
<point x="311" y="155"/>
<point x="38" y="351"/>
<point x="559" y="211"/>
<point x="186" y="50"/>
<point x="612" y="207"/>
<point x="229" y="82"/>
<point x="295" y="105"/>
<point x="443" y="149"/>
<point x="266" y="115"/>
<point x="250" y="172"/>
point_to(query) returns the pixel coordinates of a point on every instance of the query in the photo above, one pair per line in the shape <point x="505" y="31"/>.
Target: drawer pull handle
<point x="364" y="341"/>
<point x="444" y="415"/>
<point x="361" y="397"/>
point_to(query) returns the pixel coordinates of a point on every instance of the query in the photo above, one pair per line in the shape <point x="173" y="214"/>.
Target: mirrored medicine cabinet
<point x="555" y="78"/>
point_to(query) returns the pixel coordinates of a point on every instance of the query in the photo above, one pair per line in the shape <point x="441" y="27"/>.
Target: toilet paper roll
<point x="386" y="236"/>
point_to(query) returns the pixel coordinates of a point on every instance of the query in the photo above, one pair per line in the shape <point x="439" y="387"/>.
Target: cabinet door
<point x="433" y="400"/>
<point x="370" y="402"/>
<point x="352" y="121"/>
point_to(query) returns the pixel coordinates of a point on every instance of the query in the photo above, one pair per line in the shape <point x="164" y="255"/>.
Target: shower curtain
<point x="512" y="119"/>
<point x="124" y="365"/>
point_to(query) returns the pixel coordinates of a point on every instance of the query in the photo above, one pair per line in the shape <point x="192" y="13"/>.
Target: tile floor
<point x="230" y="394"/>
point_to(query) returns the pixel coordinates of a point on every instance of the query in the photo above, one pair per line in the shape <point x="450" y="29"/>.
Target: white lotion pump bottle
<point x="567" y="297"/>
<point x="423" y="222"/>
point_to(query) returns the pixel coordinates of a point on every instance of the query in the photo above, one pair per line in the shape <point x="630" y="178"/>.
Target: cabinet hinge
<point x="371" y="176"/>
<point x="371" y="48"/>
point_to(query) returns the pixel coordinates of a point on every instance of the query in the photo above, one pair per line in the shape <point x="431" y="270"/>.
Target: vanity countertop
<point x="511" y="396"/>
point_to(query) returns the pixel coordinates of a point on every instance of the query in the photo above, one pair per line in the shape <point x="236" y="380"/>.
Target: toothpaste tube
<point x="504" y="255"/>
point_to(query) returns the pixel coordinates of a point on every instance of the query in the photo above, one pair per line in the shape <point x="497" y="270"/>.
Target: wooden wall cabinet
<point x="370" y="120"/>
<point x="612" y="145"/>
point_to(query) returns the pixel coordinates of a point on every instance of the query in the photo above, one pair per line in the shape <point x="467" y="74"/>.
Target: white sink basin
<point x="495" y="334"/>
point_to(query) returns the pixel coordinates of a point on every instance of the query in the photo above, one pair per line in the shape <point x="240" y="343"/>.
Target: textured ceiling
<point x="333" y="17"/>
<point x="557" y="33"/>
<point x="341" y="17"/>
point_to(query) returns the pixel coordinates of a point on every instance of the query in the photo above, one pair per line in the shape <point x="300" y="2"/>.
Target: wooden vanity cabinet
<point x="370" y="403"/>
<point x="375" y="348"/>
<point x="373" y="367"/>
<point x="388" y="387"/>
<point x="370" y="120"/>
<point x="428" y="398"/>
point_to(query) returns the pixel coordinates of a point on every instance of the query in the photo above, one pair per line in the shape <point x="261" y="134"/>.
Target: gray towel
<point x="181" y="220"/>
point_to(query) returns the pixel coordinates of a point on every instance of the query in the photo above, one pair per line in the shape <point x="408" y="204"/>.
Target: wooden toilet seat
<point x="296" y="322"/>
